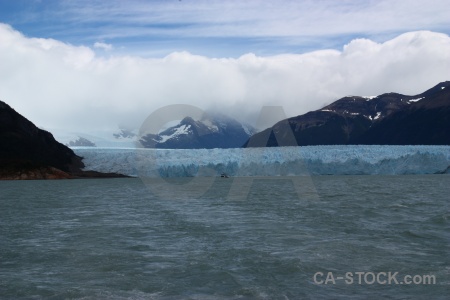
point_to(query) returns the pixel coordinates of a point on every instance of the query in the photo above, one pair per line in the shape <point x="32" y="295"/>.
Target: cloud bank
<point x="61" y="86"/>
<point x="224" y="28"/>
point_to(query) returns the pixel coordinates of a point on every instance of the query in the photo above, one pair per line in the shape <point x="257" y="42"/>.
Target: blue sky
<point x="221" y="28"/>
<point x="79" y="65"/>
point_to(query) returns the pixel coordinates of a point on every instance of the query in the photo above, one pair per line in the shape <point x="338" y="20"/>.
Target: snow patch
<point x="247" y="130"/>
<point x="368" y="98"/>
<point x="442" y="87"/>
<point x="416" y="100"/>
<point x="210" y="125"/>
<point x="327" y="110"/>
<point x="354" y="114"/>
<point x="373" y="118"/>
<point x="183" y="129"/>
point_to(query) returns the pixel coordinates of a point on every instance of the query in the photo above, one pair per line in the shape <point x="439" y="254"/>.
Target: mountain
<point x="424" y="122"/>
<point x="22" y="143"/>
<point x="27" y="152"/>
<point x="81" y="142"/>
<point x="100" y="138"/>
<point x="387" y="119"/>
<point x="211" y="131"/>
<point x="124" y="134"/>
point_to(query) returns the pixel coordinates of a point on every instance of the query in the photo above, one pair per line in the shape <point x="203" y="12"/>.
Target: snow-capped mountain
<point x="211" y="131"/>
<point x="389" y="119"/>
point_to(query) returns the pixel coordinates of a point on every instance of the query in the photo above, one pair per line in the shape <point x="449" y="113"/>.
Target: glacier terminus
<point x="269" y="161"/>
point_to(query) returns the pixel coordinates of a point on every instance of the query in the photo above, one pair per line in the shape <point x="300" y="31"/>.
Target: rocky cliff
<point x="27" y="152"/>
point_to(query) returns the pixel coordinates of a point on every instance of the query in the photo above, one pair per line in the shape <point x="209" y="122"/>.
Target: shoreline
<point x="52" y="173"/>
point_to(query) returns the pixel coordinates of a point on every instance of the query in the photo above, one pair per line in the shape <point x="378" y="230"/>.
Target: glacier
<point x="277" y="161"/>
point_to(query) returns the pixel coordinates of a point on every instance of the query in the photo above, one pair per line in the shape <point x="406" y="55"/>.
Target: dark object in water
<point x="224" y="175"/>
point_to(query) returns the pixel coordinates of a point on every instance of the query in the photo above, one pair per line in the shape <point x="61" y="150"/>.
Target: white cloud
<point x="104" y="46"/>
<point x="57" y="85"/>
<point x="256" y="18"/>
<point x="150" y="27"/>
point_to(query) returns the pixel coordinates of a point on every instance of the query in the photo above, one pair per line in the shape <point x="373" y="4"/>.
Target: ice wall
<point x="314" y="160"/>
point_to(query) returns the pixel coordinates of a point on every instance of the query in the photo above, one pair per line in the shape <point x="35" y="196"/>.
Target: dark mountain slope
<point x="21" y="142"/>
<point x="390" y="118"/>
<point x="27" y="152"/>
<point x="425" y="122"/>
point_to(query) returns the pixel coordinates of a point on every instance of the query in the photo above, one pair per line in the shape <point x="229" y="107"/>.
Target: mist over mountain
<point x="91" y="92"/>
<point x="387" y="119"/>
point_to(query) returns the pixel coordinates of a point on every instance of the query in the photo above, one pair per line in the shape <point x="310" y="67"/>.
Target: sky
<point x="87" y="66"/>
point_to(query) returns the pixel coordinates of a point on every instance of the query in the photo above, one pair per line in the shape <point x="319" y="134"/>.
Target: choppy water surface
<point x="114" y="239"/>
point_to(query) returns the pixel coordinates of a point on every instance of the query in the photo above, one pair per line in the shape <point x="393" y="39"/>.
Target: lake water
<point x="117" y="239"/>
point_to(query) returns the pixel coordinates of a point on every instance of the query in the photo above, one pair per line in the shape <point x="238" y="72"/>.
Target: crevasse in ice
<point x="280" y="161"/>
